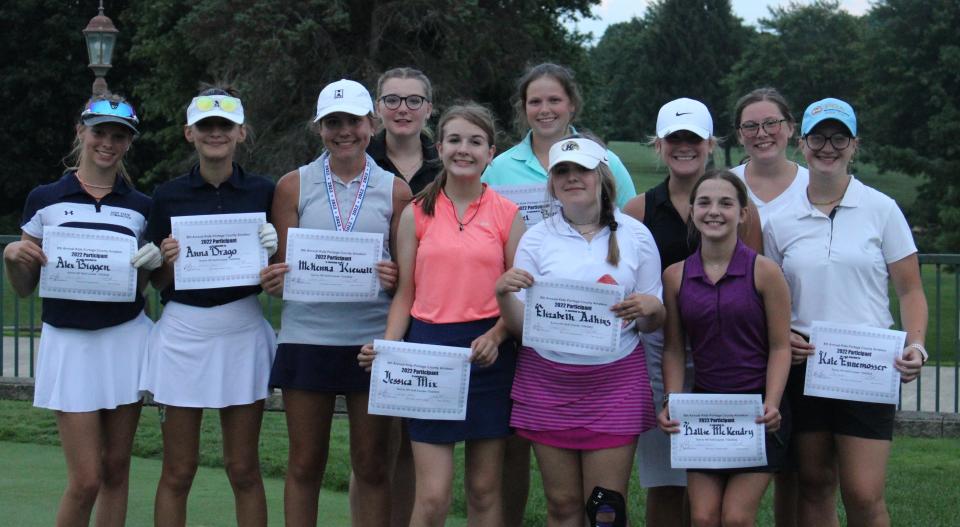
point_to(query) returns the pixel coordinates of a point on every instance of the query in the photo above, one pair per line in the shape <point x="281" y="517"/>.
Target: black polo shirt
<point x="191" y="195"/>
<point x="674" y="239"/>
<point x="428" y="170"/>
<point x="64" y="203"/>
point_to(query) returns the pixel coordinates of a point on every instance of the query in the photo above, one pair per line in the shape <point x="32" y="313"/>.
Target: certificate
<point x="533" y="200"/>
<point x="419" y="380"/>
<point x="332" y="266"/>
<point x="855" y="363"/>
<point x="571" y="316"/>
<point x="717" y="431"/>
<point x="218" y="250"/>
<point x="88" y="264"/>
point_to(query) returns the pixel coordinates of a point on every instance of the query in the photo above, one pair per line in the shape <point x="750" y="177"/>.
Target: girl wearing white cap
<point x="342" y="190"/>
<point x="584" y="413"/>
<point x="840" y="245"/>
<point x="211" y="348"/>
<point x="90" y="354"/>
<point x="454" y="241"/>
<point x="684" y="142"/>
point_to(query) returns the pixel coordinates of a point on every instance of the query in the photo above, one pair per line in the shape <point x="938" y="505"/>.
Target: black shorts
<point x="837" y="416"/>
<point x="330" y="369"/>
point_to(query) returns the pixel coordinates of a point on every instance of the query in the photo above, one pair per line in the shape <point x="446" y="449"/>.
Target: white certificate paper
<point x="571" y="316"/>
<point x="855" y="363"/>
<point x="332" y="266"/>
<point x="88" y="264"/>
<point x="532" y="200"/>
<point x="218" y="250"/>
<point x="422" y="381"/>
<point x="717" y="431"/>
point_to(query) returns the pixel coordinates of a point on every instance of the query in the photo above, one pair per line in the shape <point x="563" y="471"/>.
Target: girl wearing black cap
<point x="211" y="348"/>
<point x="90" y="352"/>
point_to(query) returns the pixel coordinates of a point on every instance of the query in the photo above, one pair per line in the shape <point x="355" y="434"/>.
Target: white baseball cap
<point x="206" y="106"/>
<point x="684" y="114"/>
<point x="581" y="151"/>
<point x="343" y="96"/>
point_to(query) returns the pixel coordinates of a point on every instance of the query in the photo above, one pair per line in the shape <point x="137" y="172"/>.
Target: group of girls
<point x="455" y="260"/>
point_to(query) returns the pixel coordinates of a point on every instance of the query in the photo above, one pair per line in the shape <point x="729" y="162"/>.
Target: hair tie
<point x="613" y="226"/>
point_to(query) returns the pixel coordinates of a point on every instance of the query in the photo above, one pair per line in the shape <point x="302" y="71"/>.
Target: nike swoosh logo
<point x="684" y="113"/>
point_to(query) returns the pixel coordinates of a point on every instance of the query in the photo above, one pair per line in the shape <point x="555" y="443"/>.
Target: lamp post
<point x="101" y="35"/>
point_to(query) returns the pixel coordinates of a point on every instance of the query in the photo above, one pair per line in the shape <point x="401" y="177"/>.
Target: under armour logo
<point x="570" y="146"/>
<point x="68" y="213"/>
<point x="338" y="94"/>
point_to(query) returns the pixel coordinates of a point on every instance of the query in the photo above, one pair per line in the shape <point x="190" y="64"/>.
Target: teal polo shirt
<point x="520" y="166"/>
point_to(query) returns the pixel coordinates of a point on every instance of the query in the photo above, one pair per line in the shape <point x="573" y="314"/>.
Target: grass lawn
<point x="923" y="485"/>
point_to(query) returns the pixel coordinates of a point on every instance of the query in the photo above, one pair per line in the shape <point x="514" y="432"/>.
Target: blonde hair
<point x="73" y="159"/>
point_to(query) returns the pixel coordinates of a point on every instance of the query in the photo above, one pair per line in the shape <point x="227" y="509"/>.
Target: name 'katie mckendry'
<point x="580" y="316"/>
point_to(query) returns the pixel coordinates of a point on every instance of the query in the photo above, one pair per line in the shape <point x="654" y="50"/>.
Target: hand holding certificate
<point x="218" y="250"/>
<point x="717" y="431"/>
<point x="332" y="266"/>
<point x="574" y="317"/>
<point x="855" y="363"/>
<point x="422" y="381"/>
<point x="88" y="264"/>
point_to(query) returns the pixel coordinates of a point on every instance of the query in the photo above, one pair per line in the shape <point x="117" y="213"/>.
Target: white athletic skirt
<point x="210" y="357"/>
<point x="82" y="370"/>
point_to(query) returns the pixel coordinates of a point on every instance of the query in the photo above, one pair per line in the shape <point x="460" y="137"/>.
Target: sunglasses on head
<point x="113" y="108"/>
<point x="206" y="103"/>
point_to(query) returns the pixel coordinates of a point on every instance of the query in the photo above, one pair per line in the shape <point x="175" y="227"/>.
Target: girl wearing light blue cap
<point x="840" y="244"/>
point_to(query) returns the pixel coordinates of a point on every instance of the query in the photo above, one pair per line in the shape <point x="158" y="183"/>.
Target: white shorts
<point x="83" y="370"/>
<point x="653" y="446"/>
<point x="210" y="357"/>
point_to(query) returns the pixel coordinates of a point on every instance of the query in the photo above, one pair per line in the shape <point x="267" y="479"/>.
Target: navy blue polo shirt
<point x="191" y="195"/>
<point x="64" y="203"/>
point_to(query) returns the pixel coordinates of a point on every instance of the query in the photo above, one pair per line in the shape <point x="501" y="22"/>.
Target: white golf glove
<point x="147" y="258"/>
<point x="268" y="238"/>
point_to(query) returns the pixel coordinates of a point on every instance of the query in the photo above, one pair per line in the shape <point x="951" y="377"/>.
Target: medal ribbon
<point x="332" y="196"/>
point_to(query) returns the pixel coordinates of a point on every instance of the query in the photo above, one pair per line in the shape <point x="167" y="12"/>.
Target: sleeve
<point x="158" y="225"/>
<point x="897" y="241"/>
<point x="648" y="279"/>
<point x="771" y="249"/>
<point x="32" y="220"/>
<point x="625" y="188"/>
<point x="526" y="257"/>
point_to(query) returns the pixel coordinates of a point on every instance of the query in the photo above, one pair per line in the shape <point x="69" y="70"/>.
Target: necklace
<point x="91" y="185"/>
<point x="571" y="222"/>
<point x="463" y="224"/>
<point x="831" y="202"/>
<point x="589" y="232"/>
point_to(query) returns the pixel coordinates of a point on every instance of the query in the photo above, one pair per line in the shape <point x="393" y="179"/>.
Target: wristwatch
<point x="923" y="351"/>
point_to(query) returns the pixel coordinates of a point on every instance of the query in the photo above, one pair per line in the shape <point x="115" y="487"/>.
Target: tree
<point x="681" y="48"/>
<point x="911" y="110"/>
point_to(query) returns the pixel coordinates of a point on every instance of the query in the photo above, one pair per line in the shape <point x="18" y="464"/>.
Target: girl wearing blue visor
<point x="90" y="351"/>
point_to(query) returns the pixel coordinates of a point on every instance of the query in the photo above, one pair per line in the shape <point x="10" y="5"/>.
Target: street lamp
<point x="101" y="35"/>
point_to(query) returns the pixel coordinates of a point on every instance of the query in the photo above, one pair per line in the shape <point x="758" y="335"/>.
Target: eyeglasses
<point x="108" y="107"/>
<point x="206" y="103"/>
<point x="771" y="127"/>
<point x="413" y="102"/>
<point x="816" y="142"/>
<point x="683" y="136"/>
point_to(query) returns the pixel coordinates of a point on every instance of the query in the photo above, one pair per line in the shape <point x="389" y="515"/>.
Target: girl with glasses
<point x="684" y="142"/>
<point x="211" y="348"/>
<point x="764" y="127"/>
<point x="453" y="242"/>
<point x="319" y="341"/>
<point x="840" y="244"/>
<point x="404" y="145"/>
<point x="91" y="353"/>
<point x="583" y="413"/>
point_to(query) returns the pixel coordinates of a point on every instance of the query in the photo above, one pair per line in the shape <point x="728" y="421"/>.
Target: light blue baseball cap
<point x="829" y="108"/>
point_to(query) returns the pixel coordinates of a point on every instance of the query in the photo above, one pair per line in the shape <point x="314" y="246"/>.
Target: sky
<point x="613" y="11"/>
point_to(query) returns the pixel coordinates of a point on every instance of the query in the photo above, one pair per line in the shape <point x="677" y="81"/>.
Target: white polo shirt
<point x="837" y="268"/>
<point x="552" y="249"/>
<point x="789" y="194"/>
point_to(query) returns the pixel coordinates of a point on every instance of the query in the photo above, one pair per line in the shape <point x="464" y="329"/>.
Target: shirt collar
<point x="237" y="180"/>
<point x="661" y="194"/>
<point x="736" y="267"/>
<point x="851" y="198"/>
<point x="372" y="181"/>
<point x="378" y="148"/>
<point x="70" y="184"/>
